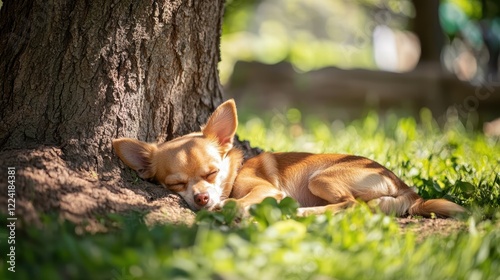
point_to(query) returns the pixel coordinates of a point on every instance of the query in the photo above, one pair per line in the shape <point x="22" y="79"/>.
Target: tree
<point x="426" y="25"/>
<point x="77" y="74"/>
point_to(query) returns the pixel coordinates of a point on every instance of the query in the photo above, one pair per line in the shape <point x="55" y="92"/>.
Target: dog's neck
<point x="235" y="157"/>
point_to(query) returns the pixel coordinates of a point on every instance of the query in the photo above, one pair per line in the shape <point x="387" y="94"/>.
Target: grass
<point x="453" y="162"/>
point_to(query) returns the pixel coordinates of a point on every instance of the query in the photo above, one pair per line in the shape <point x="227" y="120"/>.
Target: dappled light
<point x="316" y="34"/>
<point x="395" y="50"/>
<point x="376" y="35"/>
<point x="474" y="38"/>
<point x="273" y="242"/>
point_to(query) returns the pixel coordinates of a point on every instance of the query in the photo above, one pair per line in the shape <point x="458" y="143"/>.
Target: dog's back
<point x="321" y="182"/>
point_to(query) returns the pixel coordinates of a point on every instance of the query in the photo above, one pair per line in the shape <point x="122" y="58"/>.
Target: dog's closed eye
<point x="177" y="187"/>
<point x="210" y="177"/>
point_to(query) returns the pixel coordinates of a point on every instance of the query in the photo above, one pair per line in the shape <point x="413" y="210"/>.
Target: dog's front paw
<point x="218" y="206"/>
<point x="232" y="205"/>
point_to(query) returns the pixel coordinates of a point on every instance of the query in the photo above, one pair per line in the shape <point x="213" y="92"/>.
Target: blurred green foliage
<point x="350" y="245"/>
<point x="272" y="243"/>
<point x="321" y="33"/>
<point x="469" y="20"/>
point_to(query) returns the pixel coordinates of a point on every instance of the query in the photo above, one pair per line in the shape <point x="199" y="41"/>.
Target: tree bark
<point x="77" y="74"/>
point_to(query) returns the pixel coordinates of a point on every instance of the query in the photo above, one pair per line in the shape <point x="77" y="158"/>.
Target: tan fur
<point x="331" y="182"/>
<point x="319" y="182"/>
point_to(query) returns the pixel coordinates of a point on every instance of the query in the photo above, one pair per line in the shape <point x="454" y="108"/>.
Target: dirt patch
<point x="45" y="184"/>
<point x="430" y="227"/>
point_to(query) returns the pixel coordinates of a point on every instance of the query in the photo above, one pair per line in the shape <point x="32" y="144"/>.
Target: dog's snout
<point x="201" y="199"/>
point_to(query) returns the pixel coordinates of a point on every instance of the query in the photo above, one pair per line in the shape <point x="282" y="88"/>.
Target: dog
<point x="207" y="171"/>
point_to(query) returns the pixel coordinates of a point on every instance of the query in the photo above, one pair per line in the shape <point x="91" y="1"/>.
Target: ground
<point x="45" y="184"/>
<point x="427" y="227"/>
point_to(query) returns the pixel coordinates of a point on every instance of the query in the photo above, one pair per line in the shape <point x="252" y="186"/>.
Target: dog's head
<point x="199" y="166"/>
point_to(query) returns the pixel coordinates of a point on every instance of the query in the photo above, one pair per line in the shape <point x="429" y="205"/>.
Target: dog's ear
<point x="222" y="125"/>
<point x="137" y="155"/>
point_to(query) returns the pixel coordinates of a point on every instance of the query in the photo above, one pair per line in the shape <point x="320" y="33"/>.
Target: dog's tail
<point x="440" y="207"/>
<point x="409" y="202"/>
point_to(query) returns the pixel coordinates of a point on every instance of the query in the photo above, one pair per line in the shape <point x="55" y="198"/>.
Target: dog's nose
<point x="201" y="199"/>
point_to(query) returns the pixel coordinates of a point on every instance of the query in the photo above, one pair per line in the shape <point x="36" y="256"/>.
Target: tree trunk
<point x="428" y="29"/>
<point x="77" y="74"/>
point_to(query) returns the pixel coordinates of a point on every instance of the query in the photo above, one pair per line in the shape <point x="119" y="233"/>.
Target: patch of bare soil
<point x="428" y="227"/>
<point x="45" y="184"/>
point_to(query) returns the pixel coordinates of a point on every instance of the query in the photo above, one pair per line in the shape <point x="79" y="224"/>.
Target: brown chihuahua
<point x="207" y="171"/>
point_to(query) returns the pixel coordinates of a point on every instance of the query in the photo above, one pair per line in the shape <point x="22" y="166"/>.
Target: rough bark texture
<point x="77" y="74"/>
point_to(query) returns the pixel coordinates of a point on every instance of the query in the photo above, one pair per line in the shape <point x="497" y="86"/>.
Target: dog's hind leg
<point x="398" y="204"/>
<point x="306" y="211"/>
<point x="337" y="193"/>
